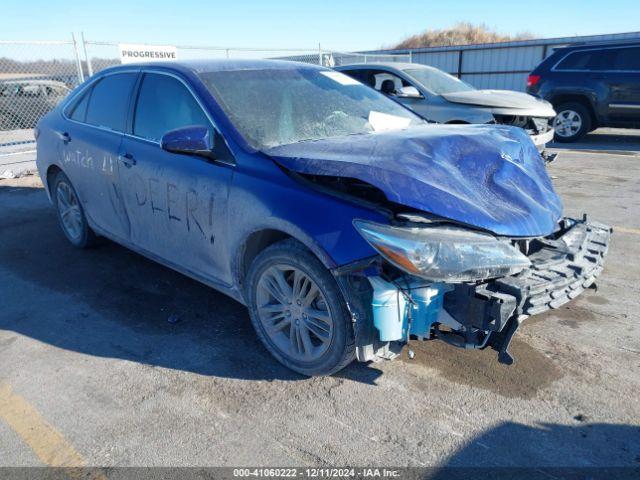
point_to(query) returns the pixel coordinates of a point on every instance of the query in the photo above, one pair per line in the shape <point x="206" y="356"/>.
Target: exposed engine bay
<point x="532" y="125"/>
<point x="473" y="314"/>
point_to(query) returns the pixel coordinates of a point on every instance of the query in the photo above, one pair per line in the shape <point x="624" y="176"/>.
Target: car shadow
<point x="543" y="451"/>
<point x="604" y="141"/>
<point x="108" y="301"/>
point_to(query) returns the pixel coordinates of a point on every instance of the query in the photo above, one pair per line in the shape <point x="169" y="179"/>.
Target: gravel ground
<point x="85" y="343"/>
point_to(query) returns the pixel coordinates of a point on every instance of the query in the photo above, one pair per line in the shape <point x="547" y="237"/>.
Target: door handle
<point x="127" y="160"/>
<point x="64" y="136"/>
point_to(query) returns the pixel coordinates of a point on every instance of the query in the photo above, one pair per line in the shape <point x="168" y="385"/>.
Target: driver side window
<point x="164" y="104"/>
<point x="381" y="80"/>
<point x="388" y="83"/>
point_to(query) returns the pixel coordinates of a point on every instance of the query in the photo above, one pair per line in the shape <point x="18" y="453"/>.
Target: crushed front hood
<point x="491" y="177"/>
<point x="503" y="99"/>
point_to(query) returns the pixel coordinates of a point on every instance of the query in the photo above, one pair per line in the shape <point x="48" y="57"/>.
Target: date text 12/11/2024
<point x="316" y="472"/>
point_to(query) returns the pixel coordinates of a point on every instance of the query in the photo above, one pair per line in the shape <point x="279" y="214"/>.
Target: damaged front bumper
<point x="489" y="313"/>
<point x="540" y="140"/>
<point x="561" y="268"/>
<point x="539" y="129"/>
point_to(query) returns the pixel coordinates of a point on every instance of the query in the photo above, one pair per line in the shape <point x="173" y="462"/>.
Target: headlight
<point x="445" y="254"/>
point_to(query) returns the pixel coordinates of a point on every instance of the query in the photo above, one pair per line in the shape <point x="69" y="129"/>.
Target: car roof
<point x="220" y="65"/>
<point x="585" y="46"/>
<point x="388" y="65"/>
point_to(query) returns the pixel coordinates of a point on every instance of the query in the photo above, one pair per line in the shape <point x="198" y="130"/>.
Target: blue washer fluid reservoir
<point x="389" y="310"/>
<point x="427" y="303"/>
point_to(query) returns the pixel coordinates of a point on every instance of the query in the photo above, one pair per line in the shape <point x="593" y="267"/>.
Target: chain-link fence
<point x="335" y="58"/>
<point x="100" y="55"/>
<point x="34" y="78"/>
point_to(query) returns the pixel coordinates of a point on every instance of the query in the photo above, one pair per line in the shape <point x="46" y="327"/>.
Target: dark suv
<point x="590" y="86"/>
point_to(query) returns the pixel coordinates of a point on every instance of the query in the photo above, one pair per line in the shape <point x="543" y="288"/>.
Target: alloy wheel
<point x="69" y="210"/>
<point x="294" y="313"/>
<point x="567" y="123"/>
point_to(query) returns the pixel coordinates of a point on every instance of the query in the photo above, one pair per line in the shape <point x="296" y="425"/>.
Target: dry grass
<point x="462" y="33"/>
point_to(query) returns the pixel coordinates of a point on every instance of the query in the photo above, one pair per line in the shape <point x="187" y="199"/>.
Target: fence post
<point x="227" y="53"/>
<point x="460" y="63"/>
<point x="319" y="55"/>
<point x="78" y="62"/>
<point x="86" y="57"/>
<point x="410" y="56"/>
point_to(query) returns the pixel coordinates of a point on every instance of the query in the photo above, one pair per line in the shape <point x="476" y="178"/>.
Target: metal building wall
<point x="497" y="65"/>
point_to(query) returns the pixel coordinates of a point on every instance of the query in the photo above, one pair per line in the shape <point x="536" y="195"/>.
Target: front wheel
<point x="572" y="122"/>
<point x="298" y="310"/>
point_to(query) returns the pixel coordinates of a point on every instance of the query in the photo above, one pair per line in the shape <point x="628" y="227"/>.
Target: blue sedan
<point x="344" y="222"/>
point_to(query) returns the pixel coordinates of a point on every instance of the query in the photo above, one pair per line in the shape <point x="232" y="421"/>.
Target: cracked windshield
<point x="283" y="106"/>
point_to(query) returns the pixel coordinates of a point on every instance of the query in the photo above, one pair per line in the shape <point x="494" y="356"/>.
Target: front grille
<point x="542" y="125"/>
<point x="560" y="270"/>
<point x="533" y="125"/>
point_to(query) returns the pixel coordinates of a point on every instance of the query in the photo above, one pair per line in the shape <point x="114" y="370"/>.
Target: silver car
<point x="23" y="102"/>
<point x="443" y="98"/>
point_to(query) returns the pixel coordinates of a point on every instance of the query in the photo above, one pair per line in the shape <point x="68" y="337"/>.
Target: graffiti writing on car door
<point x="85" y="160"/>
<point x="179" y="205"/>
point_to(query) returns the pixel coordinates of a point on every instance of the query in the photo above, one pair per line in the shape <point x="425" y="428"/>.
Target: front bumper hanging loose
<point x="562" y="267"/>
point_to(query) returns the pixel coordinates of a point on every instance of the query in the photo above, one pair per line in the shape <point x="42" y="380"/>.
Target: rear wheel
<point x="298" y="310"/>
<point x="572" y="122"/>
<point x="70" y="212"/>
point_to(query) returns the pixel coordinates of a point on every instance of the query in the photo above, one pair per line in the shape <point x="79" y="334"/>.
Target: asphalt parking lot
<point x="92" y="373"/>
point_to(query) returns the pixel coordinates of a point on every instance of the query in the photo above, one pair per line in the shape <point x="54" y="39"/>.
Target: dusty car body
<point x="440" y="97"/>
<point x="344" y="222"/>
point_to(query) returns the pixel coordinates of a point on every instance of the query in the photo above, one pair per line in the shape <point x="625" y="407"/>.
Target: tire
<point x="328" y="345"/>
<point x="65" y="199"/>
<point x="572" y="122"/>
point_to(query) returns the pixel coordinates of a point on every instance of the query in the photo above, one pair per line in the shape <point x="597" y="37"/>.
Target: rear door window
<point x="109" y="101"/>
<point x="164" y="104"/>
<point x="360" y="75"/>
<point x="584" y="60"/>
<point x="624" y="59"/>
<point x="79" y="110"/>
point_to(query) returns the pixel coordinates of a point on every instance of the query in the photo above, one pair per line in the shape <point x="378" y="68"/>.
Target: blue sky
<point x="345" y="24"/>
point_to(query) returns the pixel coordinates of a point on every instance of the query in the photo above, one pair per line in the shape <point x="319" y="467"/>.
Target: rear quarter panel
<point x="48" y="144"/>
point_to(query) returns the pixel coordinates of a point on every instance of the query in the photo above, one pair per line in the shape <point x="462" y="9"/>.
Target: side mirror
<point x="408" y="92"/>
<point x="190" y="140"/>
